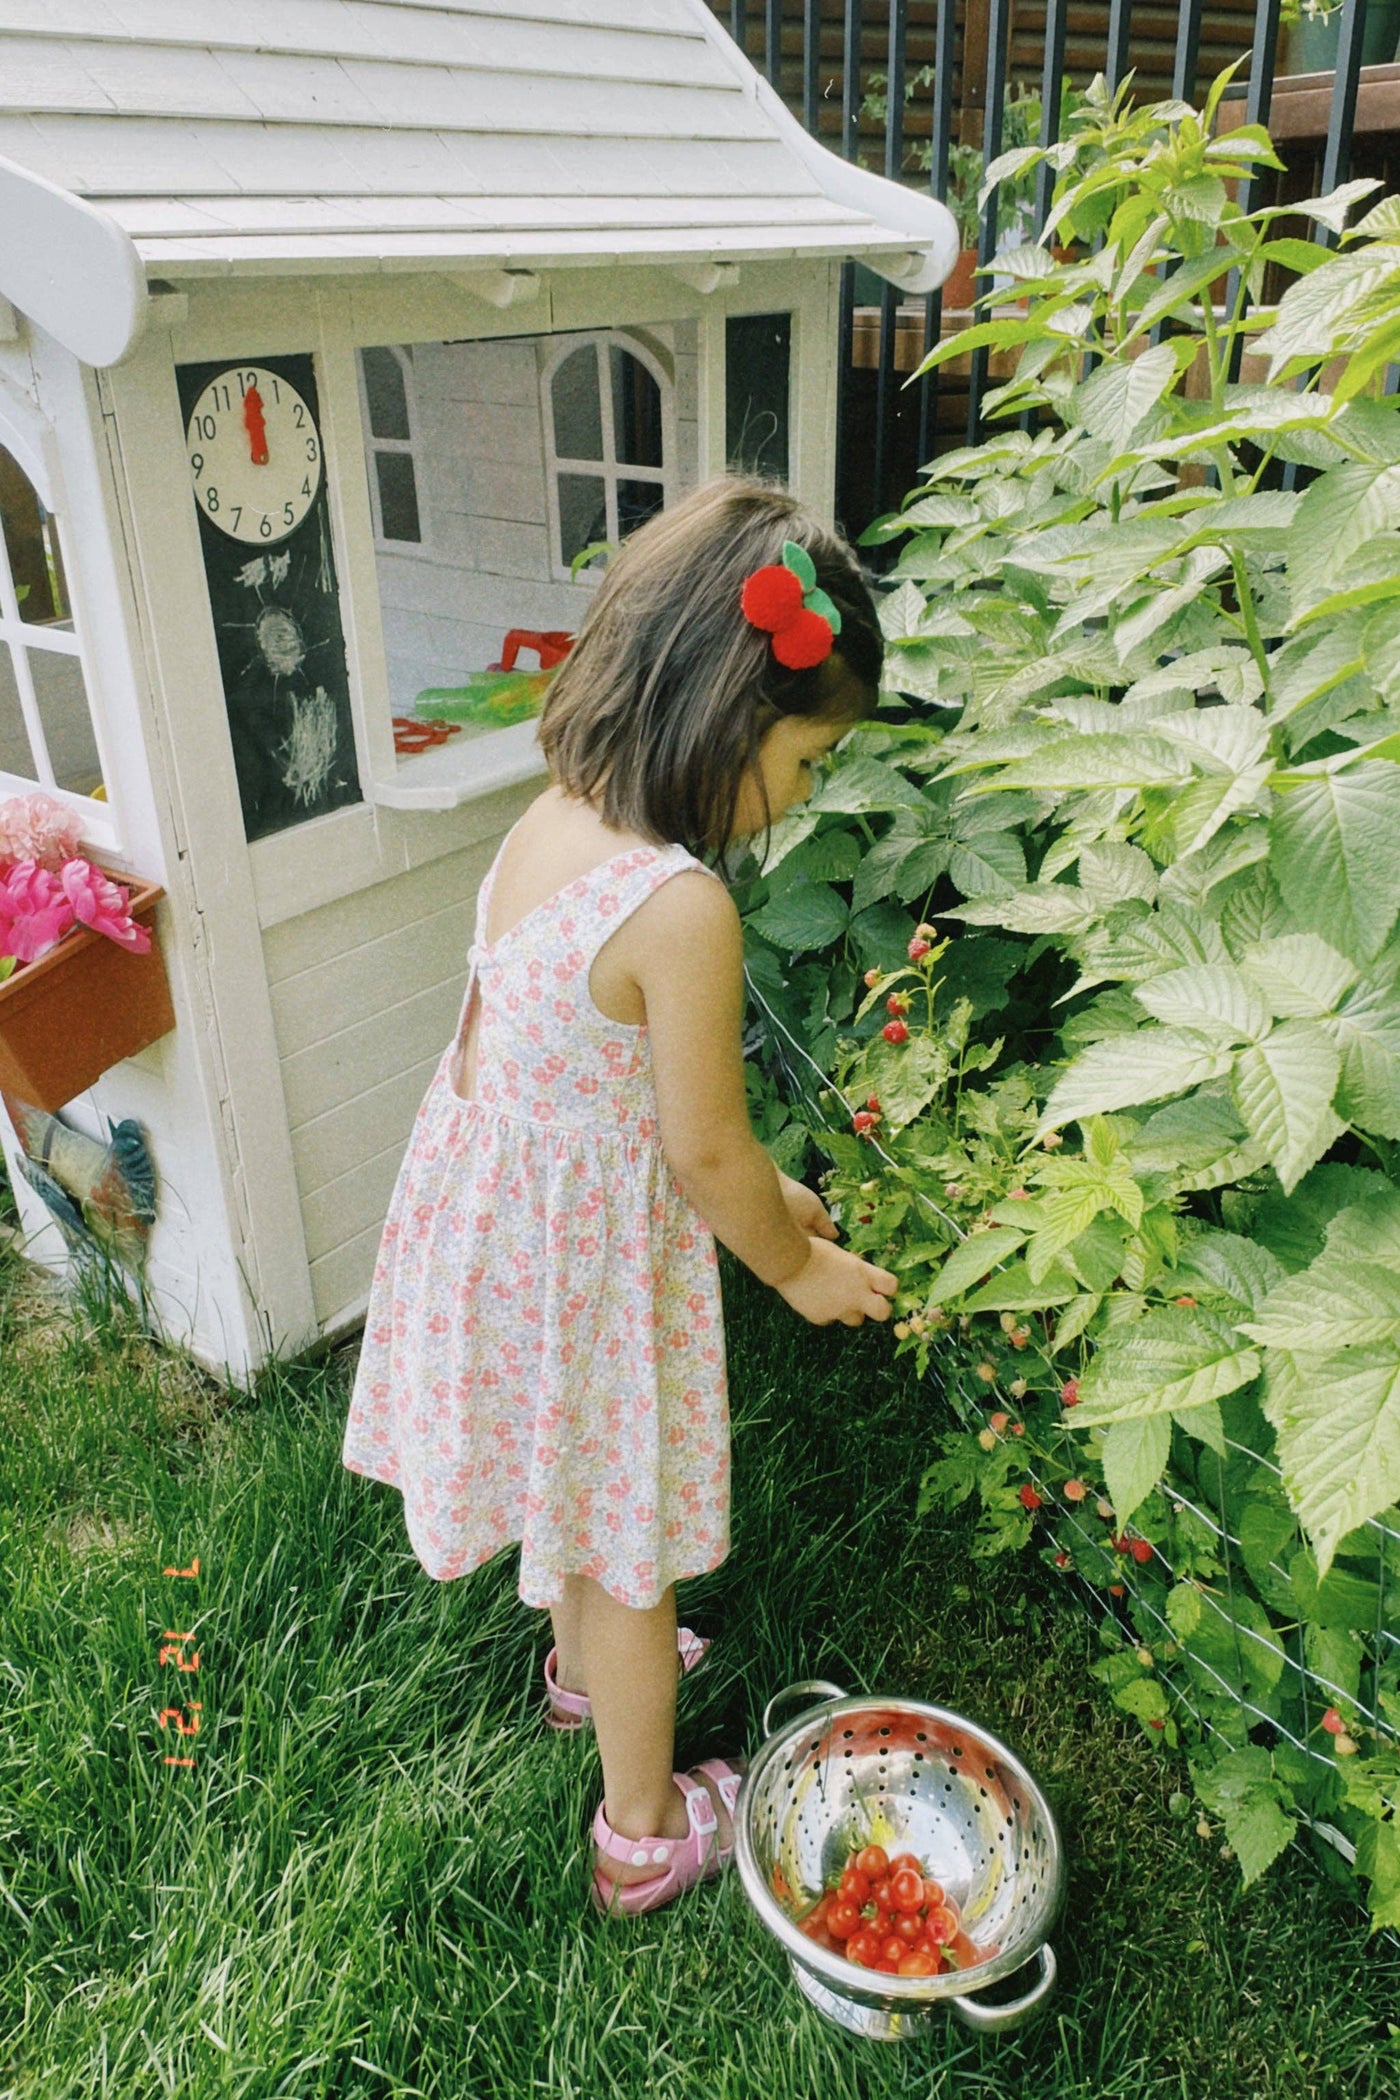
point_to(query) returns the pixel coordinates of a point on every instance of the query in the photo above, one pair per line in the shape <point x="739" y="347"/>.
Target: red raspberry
<point x="1140" y="1550"/>
<point x="1061" y="1560"/>
<point x="1029" y="1497"/>
<point x="872" y="1102"/>
<point x="1333" y="1722"/>
<point x="918" y="948"/>
<point x="1116" y="1589"/>
<point x="1018" y="1195"/>
<point x="1156" y="1724"/>
<point x="895" y="1032"/>
<point x="863" y="1122"/>
<point x="1183" y="1301"/>
<point x="896" y="1004"/>
<point x="1018" y="1429"/>
<point x="1069" y="1392"/>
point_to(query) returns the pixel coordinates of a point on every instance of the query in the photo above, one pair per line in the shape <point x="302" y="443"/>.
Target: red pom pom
<point x="804" y="642"/>
<point x="772" y="597"/>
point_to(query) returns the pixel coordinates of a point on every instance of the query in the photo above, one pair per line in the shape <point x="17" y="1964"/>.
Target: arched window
<point x="608" y="417"/>
<point x="385" y="378"/>
<point x="46" y="727"/>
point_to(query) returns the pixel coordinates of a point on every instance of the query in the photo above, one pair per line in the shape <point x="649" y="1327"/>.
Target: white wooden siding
<point x="365" y="994"/>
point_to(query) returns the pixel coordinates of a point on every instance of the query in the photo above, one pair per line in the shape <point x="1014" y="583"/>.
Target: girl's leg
<point x="629" y="1659"/>
<point x="566" y="1618"/>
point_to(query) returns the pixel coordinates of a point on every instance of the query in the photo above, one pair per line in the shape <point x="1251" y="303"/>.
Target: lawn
<point x="373" y="1880"/>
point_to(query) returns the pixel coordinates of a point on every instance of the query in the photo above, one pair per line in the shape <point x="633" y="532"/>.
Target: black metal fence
<point x="820" y="53"/>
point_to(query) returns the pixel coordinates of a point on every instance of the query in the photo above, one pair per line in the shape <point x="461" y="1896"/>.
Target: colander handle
<point x="988" y="2018"/>
<point x="800" y="1690"/>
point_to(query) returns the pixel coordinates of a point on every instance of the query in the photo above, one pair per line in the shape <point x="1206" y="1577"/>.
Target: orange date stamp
<point x="186" y="1716"/>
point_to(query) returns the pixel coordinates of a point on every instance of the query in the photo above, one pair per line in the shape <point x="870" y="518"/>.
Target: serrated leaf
<point x="1045" y="907"/>
<point x="862" y="785"/>
<point x="1366" y="1026"/>
<point x="1101" y="761"/>
<point x="1341" y="512"/>
<point x="1214" y="998"/>
<point x="1240" y="1269"/>
<point x="1071" y="1323"/>
<point x="1168" y="1360"/>
<point x="1109" y="873"/>
<point x="992" y="864"/>
<point x="1205" y="1423"/>
<point x="1134" y="1454"/>
<point x="1014" y="1291"/>
<point x="1301" y="975"/>
<point x="1337" y="1420"/>
<point x="809" y="915"/>
<point x="1115" y="401"/>
<point x="1184" y="1609"/>
<point x="1336" y="856"/>
<point x="1333" y="1306"/>
<point x="901" y="612"/>
<point x="1124" y="1071"/>
<point x="973" y="1257"/>
<point x="1283" y="1088"/>
<point x="1258" y="1830"/>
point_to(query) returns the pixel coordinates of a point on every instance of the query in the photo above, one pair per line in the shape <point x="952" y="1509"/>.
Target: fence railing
<point x="859" y="55"/>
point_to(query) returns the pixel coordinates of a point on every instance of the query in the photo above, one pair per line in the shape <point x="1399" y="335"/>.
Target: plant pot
<point x="960" y="287"/>
<point x="83" y="1007"/>
<point x="1312" y="47"/>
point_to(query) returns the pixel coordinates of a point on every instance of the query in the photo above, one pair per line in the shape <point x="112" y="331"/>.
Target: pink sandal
<point x="569" y="1712"/>
<point x="682" y="1862"/>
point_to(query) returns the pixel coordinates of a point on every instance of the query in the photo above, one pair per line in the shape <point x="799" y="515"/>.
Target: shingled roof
<point x="287" y="135"/>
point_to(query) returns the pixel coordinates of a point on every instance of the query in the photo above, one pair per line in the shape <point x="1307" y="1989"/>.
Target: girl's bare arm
<point x="688" y="961"/>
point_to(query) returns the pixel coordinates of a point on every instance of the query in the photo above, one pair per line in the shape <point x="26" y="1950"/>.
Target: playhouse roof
<point x="287" y="135"/>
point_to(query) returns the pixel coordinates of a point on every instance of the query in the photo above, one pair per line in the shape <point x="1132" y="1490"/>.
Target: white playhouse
<point x="332" y="334"/>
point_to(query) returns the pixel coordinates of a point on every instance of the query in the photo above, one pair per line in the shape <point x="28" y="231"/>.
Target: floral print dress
<point x="543" y="1358"/>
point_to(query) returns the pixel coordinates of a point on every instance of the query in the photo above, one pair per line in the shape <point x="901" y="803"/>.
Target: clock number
<point x="272" y="381"/>
<point x="300" y="413"/>
<point x="306" y="486"/>
<point x="237" y="514"/>
<point x="245" y="380"/>
<point x="211" y="497"/>
<point x="288" y="514"/>
<point x="196" y="464"/>
<point x="207" y="428"/>
<point x="311" y="451"/>
<point x="265" y="529"/>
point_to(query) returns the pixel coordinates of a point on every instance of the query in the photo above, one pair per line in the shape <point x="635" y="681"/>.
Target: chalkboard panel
<point x="276" y="609"/>
<point x="757" y="359"/>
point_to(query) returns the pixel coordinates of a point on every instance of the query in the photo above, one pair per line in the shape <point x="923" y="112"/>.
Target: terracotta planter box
<point x="83" y="1007"/>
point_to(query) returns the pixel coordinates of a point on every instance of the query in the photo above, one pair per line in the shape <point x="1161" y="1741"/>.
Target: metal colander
<point x="910" y="1777"/>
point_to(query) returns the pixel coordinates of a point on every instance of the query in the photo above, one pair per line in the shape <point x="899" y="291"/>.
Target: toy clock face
<point x="255" y="454"/>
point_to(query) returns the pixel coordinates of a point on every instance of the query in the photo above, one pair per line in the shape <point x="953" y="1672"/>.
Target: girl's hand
<point x="806" y="1208"/>
<point x="834" y="1284"/>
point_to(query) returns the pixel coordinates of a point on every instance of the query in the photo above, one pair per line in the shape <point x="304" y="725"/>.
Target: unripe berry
<point x="1105" y="1509"/>
<point x="872" y="978"/>
<point x="1345" y="1747"/>
<point x="1017" y="1389"/>
<point x="999" y="1420"/>
<point x="918" y="949"/>
<point x="987" y="1372"/>
<point x="987" y="1439"/>
<point x="925" y="933"/>
<point x="1074" y="1491"/>
<point x="1144" y="1656"/>
<point x="1069" y="1392"/>
<point x="1008" y="1321"/>
<point x="1018" y="1429"/>
<point x="1051" y="1139"/>
<point x="1333" y="1722"/>
<point x="901" y="1330"/>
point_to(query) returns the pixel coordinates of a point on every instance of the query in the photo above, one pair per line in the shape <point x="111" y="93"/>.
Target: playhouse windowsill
<point x="459" y="771"/>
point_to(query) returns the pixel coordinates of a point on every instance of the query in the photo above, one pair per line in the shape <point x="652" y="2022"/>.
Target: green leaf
<point x="1331" y="1307"/>
<point x="800" y="562"/>
<point x="1123" y="1071"/>
<point x="1301" y="975"/>
<point x="818" y="602"/>
<point x="1337" y="856"/>
<point x="1214" y="998"/>
<point x="1283" y="1088"/>
<point x="992" y="864"/>
<point x="1134" y="1455"/>
<point x="1169" y="1360"/>
<point x="1295" y="1227"/>
<point x="1103" y="761"/>
<point x="1237" y="1268"/>
<point x="1367" y="1028"/>
<point x="862" y="785"/>
<point x="1342" y="512"/>
<point x="1071" y="1323"/>
<point x="1337" y="1419"/>
<point x="1115" y="401"/>
<point x="1184" y="1609"/>
<point x="1259" y="1831"/>
<point x="970" y="1261"/>
<point x="1014" y="1291"/>
<point x="809" y="915"/>
<point x="1045" y="907"/>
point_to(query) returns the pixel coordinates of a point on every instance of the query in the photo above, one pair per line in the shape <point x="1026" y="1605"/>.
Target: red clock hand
<point x="255" y="423"/>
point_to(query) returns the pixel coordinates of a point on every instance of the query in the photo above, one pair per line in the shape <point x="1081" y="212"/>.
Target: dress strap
<point x="621" y="889"/>
<point x="483" y="906"/>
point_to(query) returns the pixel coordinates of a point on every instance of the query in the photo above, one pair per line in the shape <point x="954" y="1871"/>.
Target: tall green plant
<point x="1166" y="805"/>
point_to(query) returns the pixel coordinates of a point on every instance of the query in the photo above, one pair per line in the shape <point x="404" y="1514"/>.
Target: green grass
<point x="373" y="1882"/>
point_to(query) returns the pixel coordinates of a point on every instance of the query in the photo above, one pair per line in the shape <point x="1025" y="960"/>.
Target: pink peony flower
<point x="102" y="905"/>
<point x="35" y="913"/>
<point x="38" y="828"/>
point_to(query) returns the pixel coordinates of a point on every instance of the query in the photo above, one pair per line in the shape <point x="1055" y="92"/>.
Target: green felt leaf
<point x="800" y="562"/>
<point x="818" y="602"/>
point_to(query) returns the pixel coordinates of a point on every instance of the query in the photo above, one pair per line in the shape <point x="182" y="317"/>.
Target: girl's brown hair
<point x="658" y="712"/>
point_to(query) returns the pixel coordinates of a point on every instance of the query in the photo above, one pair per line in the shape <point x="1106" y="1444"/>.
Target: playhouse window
<point x="757" y="360"/>
<point x="46" y="728"/>
<point x="384" y="376"/>
<point x="605" y="414"/>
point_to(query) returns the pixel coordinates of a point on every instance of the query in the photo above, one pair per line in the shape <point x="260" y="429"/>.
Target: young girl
<point x="543" y="1357"/>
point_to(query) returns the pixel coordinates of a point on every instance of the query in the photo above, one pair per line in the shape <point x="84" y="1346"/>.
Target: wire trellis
<point x="798" y="1077"/>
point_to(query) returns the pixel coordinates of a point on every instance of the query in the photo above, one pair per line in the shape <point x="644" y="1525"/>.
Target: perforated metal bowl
<point x="911" y="1777"/>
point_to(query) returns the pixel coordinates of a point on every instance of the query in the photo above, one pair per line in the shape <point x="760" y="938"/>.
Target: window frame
<point x="373" y="445"/>
<point x="32" y="447"/>
<point x="610" y="470"/>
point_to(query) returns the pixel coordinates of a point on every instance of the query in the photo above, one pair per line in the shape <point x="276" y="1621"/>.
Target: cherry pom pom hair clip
<point x="782" y="598"/>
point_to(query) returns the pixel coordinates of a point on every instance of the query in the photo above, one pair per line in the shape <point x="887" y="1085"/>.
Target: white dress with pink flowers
<point x="543" y="1357"/>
